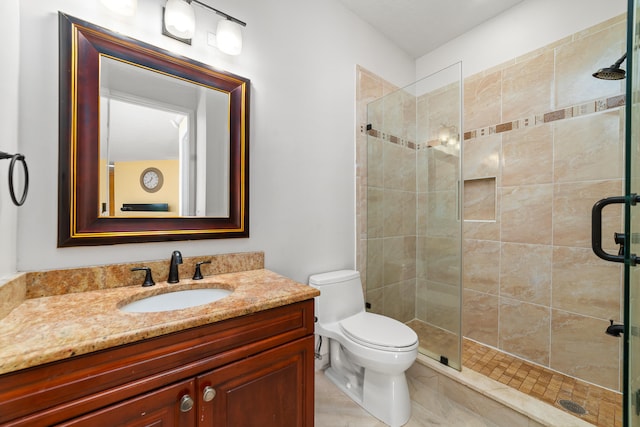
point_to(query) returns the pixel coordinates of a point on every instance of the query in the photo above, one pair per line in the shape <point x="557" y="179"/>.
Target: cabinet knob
<point x="208" y="394"/>
<point x="186" y="403"/>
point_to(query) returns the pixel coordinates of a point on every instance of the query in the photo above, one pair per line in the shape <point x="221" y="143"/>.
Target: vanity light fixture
<point x="179" y="23"/>
<point x="122" y="7"/>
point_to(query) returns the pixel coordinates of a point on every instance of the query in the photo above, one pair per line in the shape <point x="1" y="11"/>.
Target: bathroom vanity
<point x="246" y="360"/>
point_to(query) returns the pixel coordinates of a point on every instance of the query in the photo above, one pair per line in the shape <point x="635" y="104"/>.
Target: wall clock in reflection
<point x="151" y="180"/>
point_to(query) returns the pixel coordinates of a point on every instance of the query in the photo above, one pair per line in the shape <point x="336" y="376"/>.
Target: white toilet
<point x="369" y="353"/>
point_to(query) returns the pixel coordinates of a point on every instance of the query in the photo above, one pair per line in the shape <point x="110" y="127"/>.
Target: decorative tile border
<point x="583" y="109"/>
<point x="552" y="116"/>
<point x="388" y="137"/>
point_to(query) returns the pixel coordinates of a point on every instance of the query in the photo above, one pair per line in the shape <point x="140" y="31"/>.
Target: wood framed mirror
<point x="152" y="146"/>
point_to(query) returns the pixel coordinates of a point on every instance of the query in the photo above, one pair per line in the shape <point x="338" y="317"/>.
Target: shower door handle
<point x="619" y="238"/>
<point x="596" y="228"/>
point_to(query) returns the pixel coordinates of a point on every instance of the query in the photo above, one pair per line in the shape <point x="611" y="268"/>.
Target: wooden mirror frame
<point x="81" y="45"/>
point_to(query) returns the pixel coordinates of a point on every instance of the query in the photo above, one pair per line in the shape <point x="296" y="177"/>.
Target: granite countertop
<point x="47" y="329"/>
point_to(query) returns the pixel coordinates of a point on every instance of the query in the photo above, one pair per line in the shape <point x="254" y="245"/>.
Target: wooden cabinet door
<point x="271" y="389"/>
<point x="159" y="408"/>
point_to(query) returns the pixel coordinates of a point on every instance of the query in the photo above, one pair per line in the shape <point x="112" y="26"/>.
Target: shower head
<point x="612" y="73"/>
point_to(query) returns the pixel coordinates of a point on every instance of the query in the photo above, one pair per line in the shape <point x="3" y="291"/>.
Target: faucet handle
<point x="148" y="279"/>
<point x="198" y="274"/>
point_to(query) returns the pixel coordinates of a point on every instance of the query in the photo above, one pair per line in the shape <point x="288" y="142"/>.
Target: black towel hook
<point x="14" y="158"/>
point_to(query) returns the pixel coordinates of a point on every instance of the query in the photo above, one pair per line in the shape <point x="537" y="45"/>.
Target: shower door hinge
<point x="636" y="401"/>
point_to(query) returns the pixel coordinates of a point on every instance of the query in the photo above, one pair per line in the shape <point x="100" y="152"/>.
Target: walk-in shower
<point x="414" y="210"/>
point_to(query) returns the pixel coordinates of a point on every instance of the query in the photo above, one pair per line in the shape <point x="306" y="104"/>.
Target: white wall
<point x="300" y="56"/>
<point x="525" y="27"/>
<point x="9" y="31"/>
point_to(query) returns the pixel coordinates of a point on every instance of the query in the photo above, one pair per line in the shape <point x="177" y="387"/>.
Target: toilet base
<point x="386" y="397"/>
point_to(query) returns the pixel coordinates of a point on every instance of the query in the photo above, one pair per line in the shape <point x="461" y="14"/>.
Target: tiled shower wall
<point x="543" y="142"/>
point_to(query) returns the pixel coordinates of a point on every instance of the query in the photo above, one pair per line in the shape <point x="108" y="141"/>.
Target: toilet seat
<point x="379" y="332"/>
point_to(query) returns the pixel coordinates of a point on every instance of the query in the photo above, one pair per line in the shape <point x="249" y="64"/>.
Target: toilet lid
<point x="380" y="331"/>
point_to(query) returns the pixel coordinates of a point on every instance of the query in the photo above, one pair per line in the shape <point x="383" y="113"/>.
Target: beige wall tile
<point x="578" y="60"/>
<point x="399" y="213"/>
<point x="443" y="170"/>
<point x="422" y="215"/>
<point x="588" y="148"/>
<point x="527" y="156"/>
<point x="482" y="100"/>
<point x="579" y="347"/>
<point x="393" y="166"/>
<point x="409" y="169"/>
<point x="374" y="113"/>
<point x="375" y="270"/>
<point x="399" y="300"/>
<point x="361" y="208"/>
<point x="392" y="113"/>
<point x="525" y="272"/>
<point x="422" y="254"/>
<point x="375" y="164"/>
<point x="481" y="266"/>
<point x="585" y="284"/>
<point x="484" y="230"/>
<point x="392" y="202"/>
<point x="368" y="89"/>
<point x="409" y="111"/>
<point x="409" y="219"/>
<point x="422" y="119"/>
<point x="441" y="256"/>
<point x="526" y="214"/>
<point x="443" y="306"/>
<point x="399" y="259"/>
<point x="444" y="109"/>
<point x="482" y="157"/>
<point x="572" y="203"/>
<point x="527" y="87"/>
<point x="524" y="330"/>
<point x="422" y="293"/>
<point x="480" y="317"/>
<point x="375" y="212"/>
<point x="443" y="214"/>
<point x="422" y="171"/>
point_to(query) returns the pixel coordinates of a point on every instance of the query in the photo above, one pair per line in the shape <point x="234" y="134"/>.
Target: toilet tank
<point x="340" y="295"/>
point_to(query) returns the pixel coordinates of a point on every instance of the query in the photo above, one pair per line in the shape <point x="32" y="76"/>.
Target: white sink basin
<point x="176" y="300"/>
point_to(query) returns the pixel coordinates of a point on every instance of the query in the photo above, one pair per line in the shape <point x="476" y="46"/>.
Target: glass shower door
<point x="414" y="210"/>
<point x="632" y="271"/>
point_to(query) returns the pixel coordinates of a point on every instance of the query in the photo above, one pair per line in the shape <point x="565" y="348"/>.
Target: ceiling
<point x="420" y="26"/>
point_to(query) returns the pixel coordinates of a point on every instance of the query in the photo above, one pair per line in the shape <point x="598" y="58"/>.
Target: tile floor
<point x="334" y="409"/>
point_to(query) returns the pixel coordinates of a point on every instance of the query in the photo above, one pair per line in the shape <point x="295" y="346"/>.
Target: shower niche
<point x="480" y="199"/>
<point x="414" y="194"/>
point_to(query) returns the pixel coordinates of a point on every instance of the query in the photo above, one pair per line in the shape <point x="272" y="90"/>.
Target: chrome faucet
<point x="176" y="258"/>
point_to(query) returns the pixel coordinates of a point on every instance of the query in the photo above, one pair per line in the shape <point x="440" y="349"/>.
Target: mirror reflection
<point x="164" y="145"/>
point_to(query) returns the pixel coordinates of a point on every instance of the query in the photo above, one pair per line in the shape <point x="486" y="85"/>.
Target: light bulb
<point x="229" y="37"/>
<point x="179" y="19"/>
